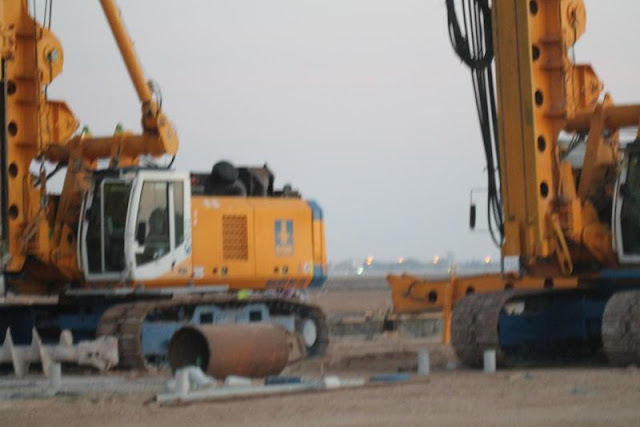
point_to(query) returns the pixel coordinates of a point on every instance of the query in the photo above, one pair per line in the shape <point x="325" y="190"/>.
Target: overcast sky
<point x="361" y="104"/>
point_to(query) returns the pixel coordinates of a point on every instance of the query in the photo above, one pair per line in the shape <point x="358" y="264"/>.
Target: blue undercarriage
<point x="551" y="326"/>
<point x="82" y="318"/>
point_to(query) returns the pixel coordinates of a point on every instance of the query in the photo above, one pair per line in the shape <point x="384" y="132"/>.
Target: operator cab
<point x="135" y="225"/>
<point x="626" y="219"/>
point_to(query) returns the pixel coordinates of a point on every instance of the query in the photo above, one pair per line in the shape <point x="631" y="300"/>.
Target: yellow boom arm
<point x="157" y="128"/>
<point x="159" y="136"/>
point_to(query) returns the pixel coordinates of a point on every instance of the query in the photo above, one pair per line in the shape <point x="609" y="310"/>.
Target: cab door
<point x="103" y="241"/>
<point x="161" y="230"/>
<point x="627" y="208"/>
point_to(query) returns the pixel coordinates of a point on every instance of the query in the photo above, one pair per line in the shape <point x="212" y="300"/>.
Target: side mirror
<point x="141" y="233"/>
<point x="472" y="216"/>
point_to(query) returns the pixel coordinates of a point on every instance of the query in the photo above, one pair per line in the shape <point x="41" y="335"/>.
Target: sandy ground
<point x="450" y="395"/>
<point x="539" y="397"/>
<point x="339" y="301"/>
<point x="353" y="294"/>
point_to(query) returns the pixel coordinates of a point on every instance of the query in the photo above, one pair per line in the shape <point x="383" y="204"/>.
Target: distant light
<point x="369" y="260"/>
<point x="401" y="260"/>
<point x="436" y="260"/>
<point x="487" y="259"/>
<point x="360" y="271"/>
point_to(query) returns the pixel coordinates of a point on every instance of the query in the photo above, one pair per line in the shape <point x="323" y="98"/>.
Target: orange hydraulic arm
<point x="127" y="51"/>
<point x="37" y="227"/>
<point x="164" y="139"/>
<point x="159" y="136"/>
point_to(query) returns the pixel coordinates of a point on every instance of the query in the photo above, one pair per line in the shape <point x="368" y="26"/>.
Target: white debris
<point x="237" y="381"/>
<point x="187" y="379"/>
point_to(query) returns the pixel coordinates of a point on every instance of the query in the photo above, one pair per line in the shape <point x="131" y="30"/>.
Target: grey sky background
<point x="361" y="104"/>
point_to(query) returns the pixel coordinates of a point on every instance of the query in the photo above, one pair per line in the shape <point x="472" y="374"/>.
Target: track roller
<point x="474" y="326"/>
<point x="621" y="328"/>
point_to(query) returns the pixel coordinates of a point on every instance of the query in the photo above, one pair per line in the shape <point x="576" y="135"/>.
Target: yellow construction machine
<point x="564" y="194"/>
<point x="130" y="251"/>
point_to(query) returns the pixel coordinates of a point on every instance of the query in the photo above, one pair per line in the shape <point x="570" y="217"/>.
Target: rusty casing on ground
<point x="251" y="350"/>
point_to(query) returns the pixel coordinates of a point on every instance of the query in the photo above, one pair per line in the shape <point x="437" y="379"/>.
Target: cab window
<point x="630" y="212"/>
<point x="178" y="206"/>
<point x="106" y="225"/>
<point x="152" y="225"/>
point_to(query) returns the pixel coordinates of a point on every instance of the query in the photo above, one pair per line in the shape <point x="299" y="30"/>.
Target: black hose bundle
<point x="474" y="46"/>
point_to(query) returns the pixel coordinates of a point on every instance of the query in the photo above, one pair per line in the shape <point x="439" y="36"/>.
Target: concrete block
<point x="55" y="378"/>
<point x="423" y="363"/>
<point x="490" y="361"/>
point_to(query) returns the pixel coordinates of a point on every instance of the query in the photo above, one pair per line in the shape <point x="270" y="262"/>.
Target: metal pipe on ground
<point x="251" y="350"/>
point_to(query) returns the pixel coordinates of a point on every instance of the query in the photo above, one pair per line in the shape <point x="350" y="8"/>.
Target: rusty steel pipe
<point x="251" y="350"/>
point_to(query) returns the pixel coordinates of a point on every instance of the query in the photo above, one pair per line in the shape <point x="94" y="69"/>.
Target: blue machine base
<point x="553" y="326"/>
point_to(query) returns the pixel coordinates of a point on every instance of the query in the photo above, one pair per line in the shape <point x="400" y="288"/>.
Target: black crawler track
<point x="621" y="328"/>
<point x="125" y="321"/>
<point x="475" y="327"/>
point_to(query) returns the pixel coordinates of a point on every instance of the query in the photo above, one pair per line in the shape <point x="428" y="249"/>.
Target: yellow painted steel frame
<point x="159" y="136"/>
<point x="412" y="295"/>
<point x="42" y="228"/>
<point x="551" y="223"/>
<point x="540" y="93"/>
<point x="534" y="76"/>
<point x="32" y="57"/>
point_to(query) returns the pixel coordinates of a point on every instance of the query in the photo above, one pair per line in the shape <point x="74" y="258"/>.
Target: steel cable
<point x="473" y="43"/>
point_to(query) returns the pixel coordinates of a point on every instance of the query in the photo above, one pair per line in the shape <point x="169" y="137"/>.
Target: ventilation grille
<point x="234" y="237"/>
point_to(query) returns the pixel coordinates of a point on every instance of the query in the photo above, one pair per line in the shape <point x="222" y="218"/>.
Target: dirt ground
<point x="450" y="395"/>
<point x="539" y="397"/>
